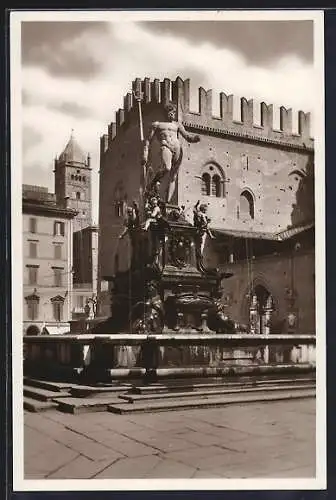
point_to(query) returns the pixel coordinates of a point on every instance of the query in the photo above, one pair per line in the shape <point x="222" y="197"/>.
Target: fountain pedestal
<point x="167" y="288"/>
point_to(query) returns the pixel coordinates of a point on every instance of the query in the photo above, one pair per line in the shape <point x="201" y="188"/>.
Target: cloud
<point x="56" y="102"/>
<point x="259" y="42"/>
<point x="30" y="138"/>
<point x="56" y="47"/>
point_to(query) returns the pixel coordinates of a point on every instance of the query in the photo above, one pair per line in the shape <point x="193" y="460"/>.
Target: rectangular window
<point x="58" y="228"/>
<point x="32" y="306"/>
<point x="32" y="275"/>
<point x="58" y="276"/>
<point x="32" y="225"/>
<point x="57" y="252"/>
<point x="33" y="249"/>
<point x="58" y="311"/>
<point x="80" y="301"/>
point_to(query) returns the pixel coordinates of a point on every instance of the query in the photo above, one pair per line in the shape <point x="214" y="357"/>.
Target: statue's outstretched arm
<point x="188" y="136"/>
<point x="123" y="233"/>
<point x="147" y="143"/>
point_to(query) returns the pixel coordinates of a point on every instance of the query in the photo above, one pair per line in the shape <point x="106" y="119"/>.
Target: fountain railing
<point x="117" y="356"/>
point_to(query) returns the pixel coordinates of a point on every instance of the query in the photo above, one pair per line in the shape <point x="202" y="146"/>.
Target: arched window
<point x="216" y="186"/>
<point x="206" y="184"/>
<point x="33" y="330"/>
<point x="246" y="205"/>
<point x="212" y="181"/>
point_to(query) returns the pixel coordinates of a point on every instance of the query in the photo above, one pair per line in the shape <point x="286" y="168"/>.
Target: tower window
<point x="83" y="178"/>
<point x="58" y="228"/>
<point x="246" y="205"/>
<point x="72" y="176"/>
<point x="78" y="171"/>
<point x="119" y="208"/>
<point x="79" y="178"/>
<point x="32" y="225"/>
<point x="33" y="249"/>
<point x="78" y="196"/>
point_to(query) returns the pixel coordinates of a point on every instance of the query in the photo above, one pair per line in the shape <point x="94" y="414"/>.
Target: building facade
<point x="257" y="181"/>
<point x="47" y="262"/>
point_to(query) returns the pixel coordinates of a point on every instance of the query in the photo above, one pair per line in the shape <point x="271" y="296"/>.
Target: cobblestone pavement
<point x="256" y="440"/>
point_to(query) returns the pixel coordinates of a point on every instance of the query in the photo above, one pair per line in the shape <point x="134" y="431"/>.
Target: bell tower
<point x="73" y="183"/>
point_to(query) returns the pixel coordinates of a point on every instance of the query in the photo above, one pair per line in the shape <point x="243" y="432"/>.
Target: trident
<point x="138" y="97"/>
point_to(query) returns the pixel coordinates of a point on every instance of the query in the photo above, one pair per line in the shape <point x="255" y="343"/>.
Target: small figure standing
<point x="131" y="221"/>
<point x="171" y="148"/>
<point x="201" y="222"/>
<point x="153" y="212"/>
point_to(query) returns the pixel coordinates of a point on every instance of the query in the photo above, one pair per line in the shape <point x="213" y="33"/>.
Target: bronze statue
<point x="131" y="221"/>
<point x="201" y="222"/>
<point x="171" y="149"/>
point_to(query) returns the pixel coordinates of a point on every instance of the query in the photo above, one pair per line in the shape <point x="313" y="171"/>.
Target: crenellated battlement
<point x="161" y="92"/>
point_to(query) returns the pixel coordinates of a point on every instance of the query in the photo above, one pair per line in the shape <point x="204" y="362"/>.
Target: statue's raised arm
<point x="188" y="136"/>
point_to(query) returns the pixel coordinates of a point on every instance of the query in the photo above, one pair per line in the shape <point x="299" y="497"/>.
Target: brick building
<point x="47" y="262"/>
<point x="258" y="183"/>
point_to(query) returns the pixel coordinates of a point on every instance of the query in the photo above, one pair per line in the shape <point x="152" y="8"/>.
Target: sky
<point x="75" y="74"/>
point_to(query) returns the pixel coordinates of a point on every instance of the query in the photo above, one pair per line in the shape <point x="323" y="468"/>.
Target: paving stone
<point x="196" y="456"/>
<point x="298" y="473"/>
<point x="122" y="444"/>
<point x="33" y="444"/>
<point x="269" y="440"/>
<point x="199" y="438"/>
<point x="86" y="446"/>
<point x="163" y="442"/>
<point x="129" y="468"/>
<point x="80" y="468"/>
<point x="168" y="468"/>
<point x="205" y="474"/>
<point x="46" y="426"/>
<point x="53" y="456"/>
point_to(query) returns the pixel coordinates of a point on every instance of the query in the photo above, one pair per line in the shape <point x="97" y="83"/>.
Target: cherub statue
<point x="153" y="212"/>
<point x="171" y="148"/>
<point x="131" y="221"/>
<point x="154" y="215"/>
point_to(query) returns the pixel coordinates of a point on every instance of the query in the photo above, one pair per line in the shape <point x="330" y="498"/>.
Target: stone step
<point x="43" y="394"/>
<point x="97" y="391"/>
<point x="36" y="406"/>
<point x="85" y="405"/>
<point x="46" y="384"/>
<point x="188" y="404"/>
<point x="132" y="398"/>
<point x="222" y="383"/>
